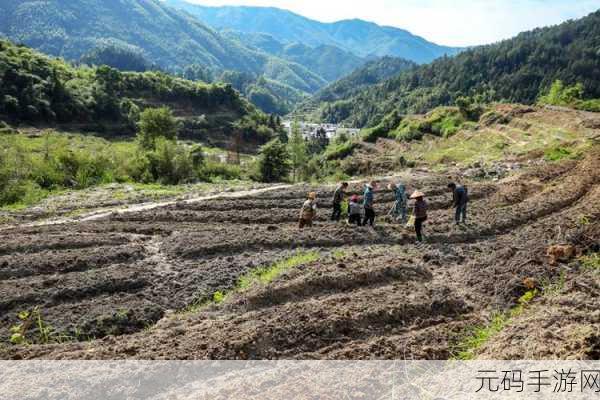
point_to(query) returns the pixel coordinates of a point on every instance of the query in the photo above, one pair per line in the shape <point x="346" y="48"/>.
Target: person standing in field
<point x="308" y="211"/>
<point x="400" y="206"/>
<point x="369" y="203"/>
<point x="338" y="198"/>
<point x="420" y="213"/>
<point x="460" y="199"/>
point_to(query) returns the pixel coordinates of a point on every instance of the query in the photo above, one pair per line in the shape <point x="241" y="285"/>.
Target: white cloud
<point x="458" y="22"/>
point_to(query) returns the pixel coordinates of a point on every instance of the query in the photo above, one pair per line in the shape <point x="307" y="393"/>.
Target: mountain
<point x="514" y="70"/>
<point x="365" y="39"/>
<point x="329" y="62"/>
<point x="162" y="35"/>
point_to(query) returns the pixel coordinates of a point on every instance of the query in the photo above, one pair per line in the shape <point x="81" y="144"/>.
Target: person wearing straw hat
<point x="308" y="211"/>
<point x="420" y="213"/>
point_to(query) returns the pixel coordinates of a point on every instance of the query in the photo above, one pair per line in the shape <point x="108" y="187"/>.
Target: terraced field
<point x="119" y="287"/>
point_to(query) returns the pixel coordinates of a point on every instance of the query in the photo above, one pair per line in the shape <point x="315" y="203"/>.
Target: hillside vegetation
<point x="371" y="73"/>
<point x="514" y="70"/>
<point x="503" y="136"/>
<point x="38" y="89"/>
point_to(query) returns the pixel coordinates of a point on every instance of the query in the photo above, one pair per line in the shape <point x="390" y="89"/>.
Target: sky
<point x="447" y="22"/>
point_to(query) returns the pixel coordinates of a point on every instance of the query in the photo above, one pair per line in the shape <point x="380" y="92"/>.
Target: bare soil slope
<point x="372" y="293"/>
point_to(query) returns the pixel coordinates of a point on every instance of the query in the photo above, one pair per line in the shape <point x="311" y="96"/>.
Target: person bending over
<point x="338" y="198"/>
<point x="308" y="211"/>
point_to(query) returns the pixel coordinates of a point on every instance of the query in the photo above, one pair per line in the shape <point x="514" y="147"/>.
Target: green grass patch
<point x="218" y="297"/>
<point x="591" y="262"/>
<point x="559" y="153"/>
<point x="553" y="288"/>
<point x="259" y="276"/>
<point x="32" y="328"/>
<point x="490" y="145"/>
<point x="480" y="335"/>
<point x="157" y="190"/>
<point x="339" y="254"/>
<point x="266" y="275"/>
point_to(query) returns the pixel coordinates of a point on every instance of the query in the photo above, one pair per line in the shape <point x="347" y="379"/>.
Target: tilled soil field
<point x="139" y="285"/>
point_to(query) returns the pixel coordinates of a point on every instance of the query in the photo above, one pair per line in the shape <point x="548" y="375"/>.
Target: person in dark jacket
<point x="420" y="213"/>
<point x="338" y="197"/>
<point x="369" y="204"/>
<point x="460" y="199"/>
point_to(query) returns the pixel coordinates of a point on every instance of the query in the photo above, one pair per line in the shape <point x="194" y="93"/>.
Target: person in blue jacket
<point x="401" y="205"/>
<point x="460" y="199"/>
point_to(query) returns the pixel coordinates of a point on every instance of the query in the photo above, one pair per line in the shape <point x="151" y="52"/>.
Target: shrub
<point x="79" y="169"/>
<point x="588" y="105"/>
<point x="469" y="108"/>
<point x="156" y="123"/>
<point x="390" y="122"/>
<point x="561" y="95"/>
<point x="340" y="151"/>
<point x="443" y="121"/>
<point x="214" y="170"/>
<point x="372" y="134"/>
<point x="273" y="162"/>
<point x="170" y="163"/>
<point x="411" y="129"/>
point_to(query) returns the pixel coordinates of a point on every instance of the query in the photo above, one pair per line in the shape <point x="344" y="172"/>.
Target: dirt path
<point x="107" y="212"/>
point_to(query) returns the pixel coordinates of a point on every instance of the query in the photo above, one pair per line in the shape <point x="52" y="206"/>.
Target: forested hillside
<point x="144" y="29"/>
<point x="329" y="62"/>
<point x="37" y="89"/>
<point x="371" y="73"/>
<point x="514" y="70"/>
<point x="364" y="39"/>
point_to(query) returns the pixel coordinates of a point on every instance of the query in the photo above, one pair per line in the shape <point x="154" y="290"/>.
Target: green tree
<point x="273" y="162"/>
<point x="318" y="142"/>
<point x="282" y="135"/>
<point x="297" y="149"/>
<point x="107" y="90"/>
<point x="156" y="123"/>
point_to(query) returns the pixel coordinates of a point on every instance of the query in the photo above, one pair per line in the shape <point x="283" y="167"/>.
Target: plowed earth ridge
<point x="114" y="283"/>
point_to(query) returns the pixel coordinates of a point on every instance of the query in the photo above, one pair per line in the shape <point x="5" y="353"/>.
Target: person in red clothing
<point x="354" y="211"/>
<point x="420" y="213"/>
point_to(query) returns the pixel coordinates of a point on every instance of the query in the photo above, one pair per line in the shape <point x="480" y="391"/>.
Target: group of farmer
<point x="361" y="212"/>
